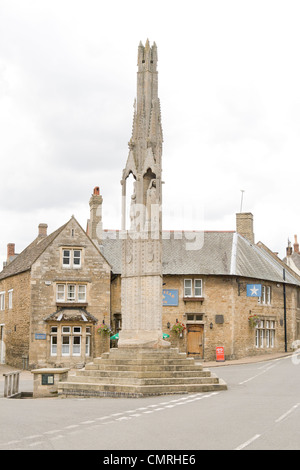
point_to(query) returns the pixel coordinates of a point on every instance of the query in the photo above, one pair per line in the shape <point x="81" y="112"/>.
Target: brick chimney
<point x="296" y="245"/>
<point x="244" y="225"/>
<point x="10" y="252"/>
<point x="43" y="230"/>
<point x="95" y="221"/>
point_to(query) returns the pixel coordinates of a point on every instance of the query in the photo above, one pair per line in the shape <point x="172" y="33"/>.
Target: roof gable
<point x="24" y="261"/>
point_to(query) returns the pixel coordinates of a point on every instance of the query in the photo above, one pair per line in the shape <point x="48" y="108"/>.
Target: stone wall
<point x="225" y="309"/>
<point x="17" y="319"/>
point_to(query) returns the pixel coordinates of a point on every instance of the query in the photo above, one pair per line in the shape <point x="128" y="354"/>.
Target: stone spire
<point x="141" y="282"/>
<point x="145" y="145"/>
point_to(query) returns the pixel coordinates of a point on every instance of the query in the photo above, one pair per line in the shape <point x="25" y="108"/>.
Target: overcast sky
<point x="229" y="85"/>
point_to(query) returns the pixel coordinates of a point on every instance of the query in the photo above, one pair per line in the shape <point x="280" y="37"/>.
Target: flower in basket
<point x="178" y="328"/>
<point x="104" y="329"/>
<point x="253" y="320"/>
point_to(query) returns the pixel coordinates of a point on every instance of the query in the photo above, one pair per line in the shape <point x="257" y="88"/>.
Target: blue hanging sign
<point x="253" y="290"/>
<point x="170" y="297"/>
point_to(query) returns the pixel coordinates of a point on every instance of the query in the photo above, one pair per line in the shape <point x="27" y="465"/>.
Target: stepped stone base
<point x="140" y="373"/>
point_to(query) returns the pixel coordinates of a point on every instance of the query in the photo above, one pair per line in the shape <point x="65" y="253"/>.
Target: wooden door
<point x="195" y="344"/>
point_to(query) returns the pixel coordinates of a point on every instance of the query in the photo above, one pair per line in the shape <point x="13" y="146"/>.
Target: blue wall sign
<point x="253" y="290"/>
<point x="170" y="297"/>
<point x="40" y="336"/>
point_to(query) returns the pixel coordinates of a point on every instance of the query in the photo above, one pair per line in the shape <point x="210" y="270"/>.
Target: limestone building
<point x="53" y="296"/>
<point x="206" y="290"/>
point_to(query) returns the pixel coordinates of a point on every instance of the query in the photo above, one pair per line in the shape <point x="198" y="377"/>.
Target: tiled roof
<point x="219" y="253"/>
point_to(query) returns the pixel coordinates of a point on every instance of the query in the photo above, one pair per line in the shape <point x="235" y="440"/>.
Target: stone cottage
<point x="53" y="298"/>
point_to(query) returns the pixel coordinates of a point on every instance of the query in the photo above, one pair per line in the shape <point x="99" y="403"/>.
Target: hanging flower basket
<point x="178" y="328"/>
<point x="104" y="329"/>
<point x="254" y="320"/>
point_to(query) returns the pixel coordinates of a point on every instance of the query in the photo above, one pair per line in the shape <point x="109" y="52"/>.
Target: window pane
<point x="76" y="345"/>
<point x="198" y="287"/>
<point x="71" y="292"/>
<point x="76" y="258"/>
<point x="82" y="293"/>
<point x="187" y="287"/>
<point x="66" y="257"/>
<point x="60" y="292"/>
<point x="268" y="294"/>
<point x="87" y="345"/>
<point x="65" y="350"/>
<point x="53" y="345"/>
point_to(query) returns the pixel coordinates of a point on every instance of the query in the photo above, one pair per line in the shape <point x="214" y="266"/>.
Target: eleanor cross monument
<point x="141" y="281"/>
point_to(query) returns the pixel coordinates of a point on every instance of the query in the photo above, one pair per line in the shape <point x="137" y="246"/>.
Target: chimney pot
<point x="96" y="191"/>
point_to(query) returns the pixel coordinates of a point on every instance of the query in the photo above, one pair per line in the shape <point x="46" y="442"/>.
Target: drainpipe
<point x="284" y="311"/>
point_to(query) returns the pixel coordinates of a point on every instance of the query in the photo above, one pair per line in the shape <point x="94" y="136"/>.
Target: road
<point x="259" y="411"/>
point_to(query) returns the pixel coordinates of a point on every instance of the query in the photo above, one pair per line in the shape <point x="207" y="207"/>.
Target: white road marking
<point x="287" y="413"/>
<point x="245" y="444"/>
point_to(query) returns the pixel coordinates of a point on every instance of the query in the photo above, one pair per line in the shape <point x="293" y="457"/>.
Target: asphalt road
<point x="259" y="411"/>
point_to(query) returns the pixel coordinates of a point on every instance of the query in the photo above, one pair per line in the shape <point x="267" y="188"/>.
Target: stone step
<point x="74" y="389"/>
<point x="137" y="373"/>
<point x="145" y="380"/>
<point x="142" y="366"/>
<point x="145" y="362"/>
<point x="142" y="354"/>
<point x="143" y="373"/>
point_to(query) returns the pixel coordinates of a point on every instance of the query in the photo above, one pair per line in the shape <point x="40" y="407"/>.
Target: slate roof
<point x="220" y="253"/>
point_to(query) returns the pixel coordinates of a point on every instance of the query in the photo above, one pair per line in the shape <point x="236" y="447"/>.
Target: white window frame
<point x="189" y="288"/>
<point x="66" y="257"/>
<point x="2" y="301"/>
<point x="67" y="292"/>
<point x="76" y="258"/>
<point x="197" y="287"/>
<point x="53" y="346"/>
<point x="265" y="334"/>
<point x="10" y="299"/>
<point x="81" y="292"/>
<point x="88" y="341"/>
<point x="76" y="348"/>
<point x="71" y="294"/>
<point x="266" y="295"/>
<point x="65" y="347"/>
<point x="72" y="260"/>
<point x="60" y="295"/>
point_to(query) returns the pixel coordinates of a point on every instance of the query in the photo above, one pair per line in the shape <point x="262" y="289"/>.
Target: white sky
<point x="229" y="85"/>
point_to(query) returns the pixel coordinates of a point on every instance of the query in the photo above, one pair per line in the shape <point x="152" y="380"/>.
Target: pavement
<point x="246" y="360"/>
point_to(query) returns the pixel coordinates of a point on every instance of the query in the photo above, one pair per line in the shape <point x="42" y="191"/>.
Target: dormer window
<point x="71" y="258"/>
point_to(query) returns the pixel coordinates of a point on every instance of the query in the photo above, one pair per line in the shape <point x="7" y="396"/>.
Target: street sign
<point x="220" y="354"/>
